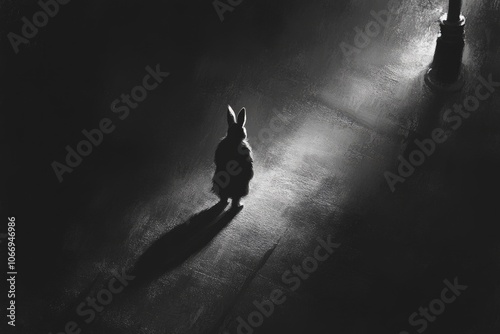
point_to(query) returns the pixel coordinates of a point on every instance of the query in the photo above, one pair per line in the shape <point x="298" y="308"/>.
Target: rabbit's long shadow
<point x="183" y="241"/>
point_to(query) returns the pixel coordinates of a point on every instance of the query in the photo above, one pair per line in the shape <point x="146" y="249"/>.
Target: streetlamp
<point x="446" y="72"/>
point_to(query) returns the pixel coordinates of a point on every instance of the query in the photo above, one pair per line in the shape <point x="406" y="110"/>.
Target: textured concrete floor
<point x="345" y="122"/>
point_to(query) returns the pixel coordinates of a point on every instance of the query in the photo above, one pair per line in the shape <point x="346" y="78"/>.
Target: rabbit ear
<point x="231" y="117"/>
<point x="242" y="117"/>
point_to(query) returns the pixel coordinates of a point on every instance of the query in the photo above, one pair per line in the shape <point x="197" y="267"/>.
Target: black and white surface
<point x="127" y="239"/>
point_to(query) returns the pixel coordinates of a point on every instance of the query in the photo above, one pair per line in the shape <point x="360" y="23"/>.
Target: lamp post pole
<point x="454" y="11"/>
<point x="446" y="72"/>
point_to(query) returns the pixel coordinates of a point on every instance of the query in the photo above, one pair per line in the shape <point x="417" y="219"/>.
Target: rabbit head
<point x="236" y="126"/>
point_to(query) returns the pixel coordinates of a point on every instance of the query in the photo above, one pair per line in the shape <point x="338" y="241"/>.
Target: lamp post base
<point x="435" y="84"/>
<point x="446" y="72"/>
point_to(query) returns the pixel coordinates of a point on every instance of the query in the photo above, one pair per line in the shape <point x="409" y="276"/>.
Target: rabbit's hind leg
<point x="224" y="201"/>
<point x="236" y="203"/>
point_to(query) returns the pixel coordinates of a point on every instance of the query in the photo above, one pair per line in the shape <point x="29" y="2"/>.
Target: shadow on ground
<point x="177" y="245"/>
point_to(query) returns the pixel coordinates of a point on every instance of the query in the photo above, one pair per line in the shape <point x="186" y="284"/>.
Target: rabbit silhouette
<point x="233" y="162"/>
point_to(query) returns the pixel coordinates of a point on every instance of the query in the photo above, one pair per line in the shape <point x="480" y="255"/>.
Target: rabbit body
<point x="233" y="161"/>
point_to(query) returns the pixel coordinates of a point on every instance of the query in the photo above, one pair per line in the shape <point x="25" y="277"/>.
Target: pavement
<point x="325" y="243"/>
